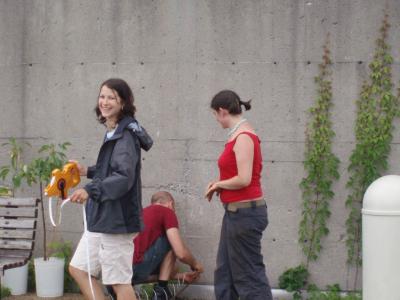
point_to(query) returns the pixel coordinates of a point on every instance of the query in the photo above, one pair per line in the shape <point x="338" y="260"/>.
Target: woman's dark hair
<point x="124" y="92"/>
<point x="230" y="101"/>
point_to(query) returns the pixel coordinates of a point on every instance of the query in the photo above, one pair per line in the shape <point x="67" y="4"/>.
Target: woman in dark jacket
<point x="113" y="197"/>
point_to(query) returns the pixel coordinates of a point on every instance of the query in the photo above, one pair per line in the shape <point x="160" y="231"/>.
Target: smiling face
<point x="109" y="104"/>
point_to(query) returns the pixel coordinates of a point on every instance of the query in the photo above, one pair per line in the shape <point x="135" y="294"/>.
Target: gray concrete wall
<point x="176" y="55"/>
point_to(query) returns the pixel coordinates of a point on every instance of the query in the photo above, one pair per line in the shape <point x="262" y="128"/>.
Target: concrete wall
<point x="176" y="55"/>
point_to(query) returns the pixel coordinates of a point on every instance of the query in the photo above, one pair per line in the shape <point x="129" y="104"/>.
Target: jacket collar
<point x="123" y="123"/>
<point x="130" y="123"/>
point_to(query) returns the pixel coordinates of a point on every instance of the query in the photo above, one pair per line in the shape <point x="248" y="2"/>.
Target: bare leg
<point x="81" y="278"/>
<point x="167" y="266"/>
<point x="124" y="292"/>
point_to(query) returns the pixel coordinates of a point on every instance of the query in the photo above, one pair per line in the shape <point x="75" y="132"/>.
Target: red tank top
<point x="228" y="169"/>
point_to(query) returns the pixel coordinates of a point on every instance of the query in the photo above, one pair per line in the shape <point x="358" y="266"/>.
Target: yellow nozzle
<point x="62" y="181"/>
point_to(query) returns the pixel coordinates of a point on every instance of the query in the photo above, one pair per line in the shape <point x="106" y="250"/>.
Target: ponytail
<point x="246" y="104"/>
<point x="230" y="101"/>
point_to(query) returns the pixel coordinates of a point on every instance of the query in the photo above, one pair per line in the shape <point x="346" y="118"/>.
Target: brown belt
<point x="234" y="206"/>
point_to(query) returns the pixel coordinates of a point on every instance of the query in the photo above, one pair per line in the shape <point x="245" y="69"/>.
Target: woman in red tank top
<point x="240" y="271"/>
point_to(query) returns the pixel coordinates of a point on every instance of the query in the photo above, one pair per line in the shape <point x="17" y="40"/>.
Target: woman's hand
<point x="198" y="267"/>
<point x="189" y="277"/>
<point x="82" y="169"/>
<point x="212" y="187"/>
<point x="79" y="196"/>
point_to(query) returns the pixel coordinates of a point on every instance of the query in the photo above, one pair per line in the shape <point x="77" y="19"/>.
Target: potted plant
<point x="49" y="271"/>
<point x="16" y="279"/>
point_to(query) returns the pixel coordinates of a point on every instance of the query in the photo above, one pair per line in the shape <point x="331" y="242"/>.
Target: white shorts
<point x="109" y="254"/>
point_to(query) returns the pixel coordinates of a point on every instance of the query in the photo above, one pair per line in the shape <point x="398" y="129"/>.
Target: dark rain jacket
<point x="115" y="197"/>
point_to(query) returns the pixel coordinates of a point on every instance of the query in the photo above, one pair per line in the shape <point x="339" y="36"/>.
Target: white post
<point x="381" y="239"/>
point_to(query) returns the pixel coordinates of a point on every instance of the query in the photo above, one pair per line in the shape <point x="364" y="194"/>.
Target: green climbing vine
<point x="376" y="109"/>
<point x="320" y="164"/>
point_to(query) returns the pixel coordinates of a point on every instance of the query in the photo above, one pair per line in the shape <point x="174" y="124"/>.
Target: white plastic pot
<point x="16" y="279"/>
<point x="49" y="277"/>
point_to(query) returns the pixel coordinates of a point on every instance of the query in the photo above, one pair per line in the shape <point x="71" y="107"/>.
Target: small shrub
<point x="293" y="280"/>
<point x="4" y="292"/>
<point x="39" y="171"/>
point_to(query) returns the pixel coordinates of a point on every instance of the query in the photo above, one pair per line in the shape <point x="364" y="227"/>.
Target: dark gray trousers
<point x="240" y="268"/>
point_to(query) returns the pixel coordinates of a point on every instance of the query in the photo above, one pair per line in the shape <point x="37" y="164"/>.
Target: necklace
<point x="232" y="131"/>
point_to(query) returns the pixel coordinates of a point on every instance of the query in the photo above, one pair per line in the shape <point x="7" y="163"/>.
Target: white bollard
<point x="381" y="239"/>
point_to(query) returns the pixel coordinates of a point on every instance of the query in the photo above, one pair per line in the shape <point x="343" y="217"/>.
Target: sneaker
<point x="161" y="293"/>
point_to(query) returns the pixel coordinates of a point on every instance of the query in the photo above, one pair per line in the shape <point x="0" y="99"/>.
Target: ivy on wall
<point x="376" y="109"/>
<point x="320" y="164"/>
